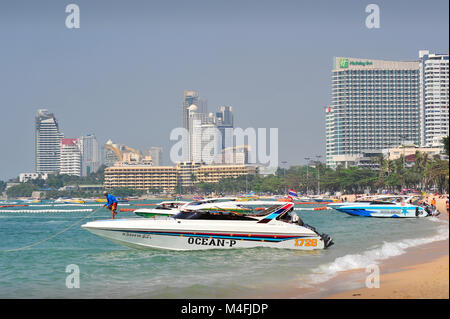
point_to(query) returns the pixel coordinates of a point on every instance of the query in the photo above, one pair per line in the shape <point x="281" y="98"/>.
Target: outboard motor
<point x="327" y="240"/>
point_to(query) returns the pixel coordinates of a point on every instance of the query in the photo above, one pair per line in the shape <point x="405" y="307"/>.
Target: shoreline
<point x="427" y="265"/>
<point x="422" y="272"/>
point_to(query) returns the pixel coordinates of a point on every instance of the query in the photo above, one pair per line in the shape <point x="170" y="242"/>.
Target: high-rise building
<point x="434" y="97"/>
<point x="374" y="105"/>
<point x="224" y="120"/>
<point x="112" y="153"/>
<point x="70" y="157"/>
<point x="47" y="143"/>
<point x="190" y="98"/>
<point x="196" y="120"/>
<point x="156" y="155"/>
<point x="90" y="155"/>
<point x="202" y="105"/>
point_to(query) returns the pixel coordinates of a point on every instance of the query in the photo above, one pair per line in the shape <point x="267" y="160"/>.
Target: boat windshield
<point x="378" y="202"/>
<point x="168" y="205"/>
<point x="212" y="216"/>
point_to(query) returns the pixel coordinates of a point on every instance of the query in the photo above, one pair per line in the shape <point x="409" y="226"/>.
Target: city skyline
<point x="268" y="60"/>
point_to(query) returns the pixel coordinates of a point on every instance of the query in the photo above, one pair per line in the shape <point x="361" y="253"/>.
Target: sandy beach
<point x="421" y="273"/>
<point x="422" y="281"/>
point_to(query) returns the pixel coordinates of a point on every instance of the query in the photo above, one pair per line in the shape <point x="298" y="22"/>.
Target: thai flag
<point x="293" y="193"/>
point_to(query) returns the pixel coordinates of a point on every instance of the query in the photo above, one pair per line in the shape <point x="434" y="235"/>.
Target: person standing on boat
<point x="111" y="203"/>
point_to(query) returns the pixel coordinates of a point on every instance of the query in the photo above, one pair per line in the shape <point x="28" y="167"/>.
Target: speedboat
<point x="369" y="199"/>
<point x="194" y="229"/>
<point x="377" y="208"/>
<point x="67" y="200"/>
<point x="166" y="208"/>
<point x="170" y="208"/>
<point x="326" y="200"/>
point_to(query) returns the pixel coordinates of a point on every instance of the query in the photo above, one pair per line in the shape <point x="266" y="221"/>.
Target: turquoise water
<point x="108" y="270"/>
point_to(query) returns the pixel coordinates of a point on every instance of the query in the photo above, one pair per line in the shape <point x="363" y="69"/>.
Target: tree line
<point x="425" y="174"/>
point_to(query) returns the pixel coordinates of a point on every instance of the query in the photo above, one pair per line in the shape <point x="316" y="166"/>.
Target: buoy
<point x="44" y="210"/>
<point x="306" y="203"/>
<point x="13" y="205"/>
<point x="312" y="208"/>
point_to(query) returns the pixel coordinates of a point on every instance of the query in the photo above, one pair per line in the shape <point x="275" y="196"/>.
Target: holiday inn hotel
<point x="374" y="105"/>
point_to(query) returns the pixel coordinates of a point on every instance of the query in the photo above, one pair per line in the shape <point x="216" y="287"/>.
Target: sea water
<point x="107" y="270"/>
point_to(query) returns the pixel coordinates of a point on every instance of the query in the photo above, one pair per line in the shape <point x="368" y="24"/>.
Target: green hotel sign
<point x="344" y="63"/>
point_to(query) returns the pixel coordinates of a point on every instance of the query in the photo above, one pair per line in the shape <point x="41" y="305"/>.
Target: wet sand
<point x="421" y="273"/>
<point x="405" y="279"/>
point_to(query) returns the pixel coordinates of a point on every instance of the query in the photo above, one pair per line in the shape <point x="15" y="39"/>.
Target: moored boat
<point x="166" y="208"/>
<point x="194" y="229"/>
<point x="385" y="209"/>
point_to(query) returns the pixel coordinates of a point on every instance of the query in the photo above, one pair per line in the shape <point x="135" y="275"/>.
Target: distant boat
<point x="326" y="200"/>
<point x="31" y="201"/>
<point x="166" y="208"/>
<point x="66" y="200"/>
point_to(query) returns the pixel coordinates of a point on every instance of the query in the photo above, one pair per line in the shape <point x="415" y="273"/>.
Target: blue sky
<point x="123" y="73"/>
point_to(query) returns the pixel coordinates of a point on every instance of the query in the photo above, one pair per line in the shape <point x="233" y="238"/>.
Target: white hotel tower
<point x="47" y="143"/>
<point x="70" y="157"/>
<point x="374" y="105"/>
<point x="434" y="97"/>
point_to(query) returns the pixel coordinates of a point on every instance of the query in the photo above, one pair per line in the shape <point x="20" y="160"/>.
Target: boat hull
<point x="178" y="238"/>
<point x="384" y="212"/>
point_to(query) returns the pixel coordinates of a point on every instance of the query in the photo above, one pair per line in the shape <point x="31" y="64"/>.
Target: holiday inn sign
<point x="345" y="62"/>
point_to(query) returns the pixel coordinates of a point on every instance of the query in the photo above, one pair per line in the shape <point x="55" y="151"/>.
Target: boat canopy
<point x="212" y="215"/>
<point x="279" y="212"/>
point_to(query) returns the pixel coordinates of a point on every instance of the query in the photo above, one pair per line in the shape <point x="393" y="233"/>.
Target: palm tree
<point x="437" y="173"/>
<point x="420" y="163"/>
<point x="446" y="145"/>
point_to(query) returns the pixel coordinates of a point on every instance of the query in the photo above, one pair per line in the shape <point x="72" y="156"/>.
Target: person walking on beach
<point x="111" y="203"/>
<point x="433" y="202"/>
<point x="446" y="204"/>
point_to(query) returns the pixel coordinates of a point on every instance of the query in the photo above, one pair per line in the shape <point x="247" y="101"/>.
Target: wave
<point x="371" y="257"/>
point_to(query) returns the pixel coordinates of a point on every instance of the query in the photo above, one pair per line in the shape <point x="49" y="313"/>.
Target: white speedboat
<point x="369" y="199"/>
<point x="385" y="209"/>
<point x="67" y="200"/>
<point x="170" y="208"/>
<point x="166" y="208"/>
<point x="208" y="229"/>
